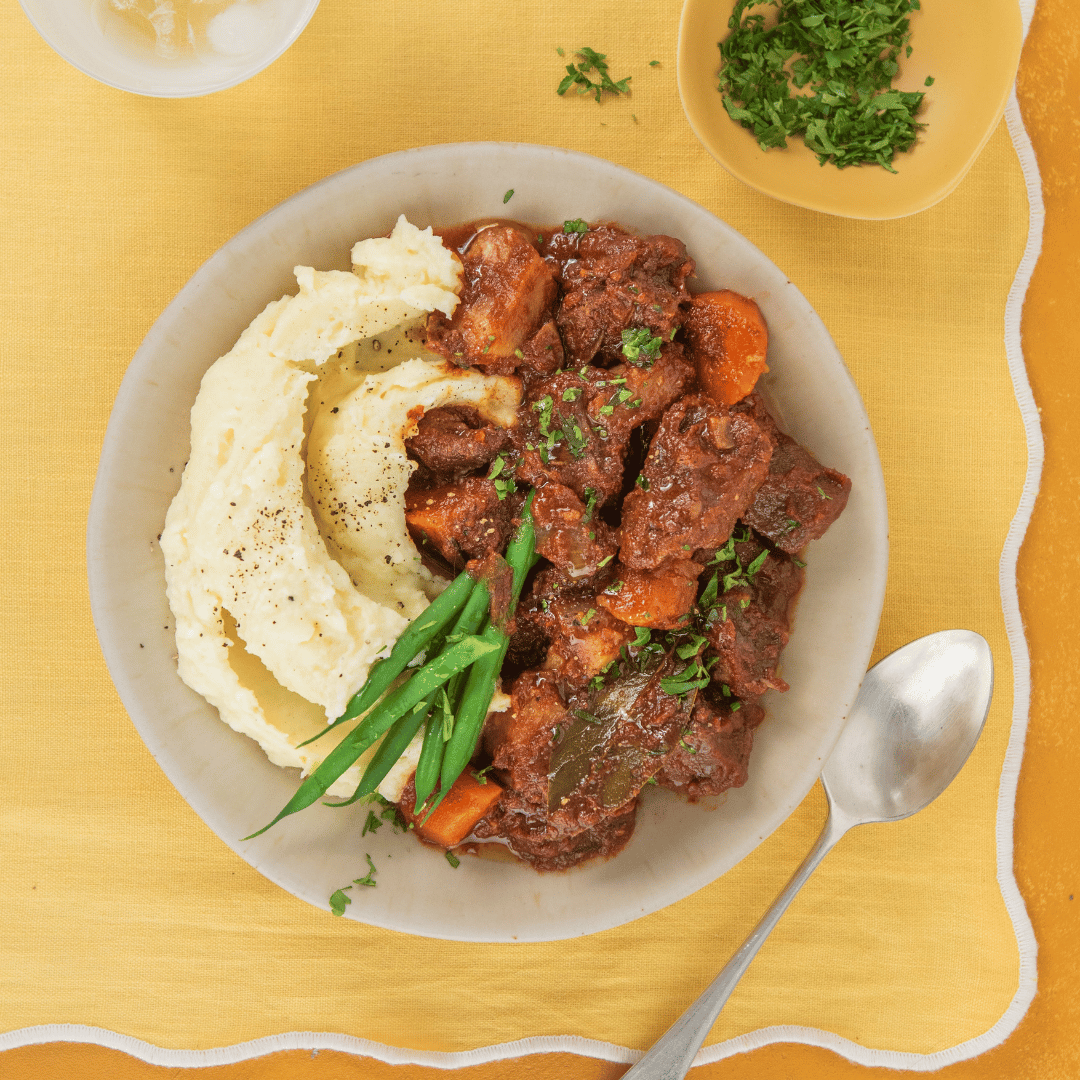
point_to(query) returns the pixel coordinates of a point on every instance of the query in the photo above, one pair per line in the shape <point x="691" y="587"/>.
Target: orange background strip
<point x="1047" y="827"/>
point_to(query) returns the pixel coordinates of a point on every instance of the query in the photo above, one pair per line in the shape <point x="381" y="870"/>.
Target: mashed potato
<point x="288" y="562"/>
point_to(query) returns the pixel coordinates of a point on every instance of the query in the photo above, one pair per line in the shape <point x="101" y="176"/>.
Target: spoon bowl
<point x="917" y="717"/>
<point x="915" y="722"/>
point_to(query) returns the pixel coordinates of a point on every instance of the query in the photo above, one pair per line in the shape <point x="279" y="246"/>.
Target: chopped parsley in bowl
<point x="839" y="106"/>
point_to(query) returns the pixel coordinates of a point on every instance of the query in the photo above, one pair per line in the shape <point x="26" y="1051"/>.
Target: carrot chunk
<point x="660" y="598"/>
<point x="727" y="340"/>
<point x="465" y="804"/>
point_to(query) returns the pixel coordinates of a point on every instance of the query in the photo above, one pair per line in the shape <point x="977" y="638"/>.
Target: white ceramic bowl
<point x="85" y="34"/>
<point x="677" y="848"/>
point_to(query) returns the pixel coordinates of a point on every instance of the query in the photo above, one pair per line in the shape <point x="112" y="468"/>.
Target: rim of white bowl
<point x="230" y="76"/>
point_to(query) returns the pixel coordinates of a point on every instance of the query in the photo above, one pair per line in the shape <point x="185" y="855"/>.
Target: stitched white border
<point x="313" y="1040"/>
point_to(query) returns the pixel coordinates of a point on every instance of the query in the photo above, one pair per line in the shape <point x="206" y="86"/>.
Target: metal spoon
<point x="914" y="723"/>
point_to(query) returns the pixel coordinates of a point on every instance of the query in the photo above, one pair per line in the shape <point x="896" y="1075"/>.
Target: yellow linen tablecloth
<point x="118" y="907"/>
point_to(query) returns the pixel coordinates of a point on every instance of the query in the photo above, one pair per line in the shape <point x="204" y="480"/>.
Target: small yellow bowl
<point x="970" y="47"/>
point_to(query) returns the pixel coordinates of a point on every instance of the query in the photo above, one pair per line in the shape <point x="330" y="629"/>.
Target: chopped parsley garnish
<point x="692" y="677"/>
<point x="453" y="860"/>
<point x="369" y="878"/>
<point x="508" y="196"/>
<point x="695" y="676"/>
<point x="739" y="576"/>
<point x="545" y="408"/>
<point x="501" y="477"/>
<point x="640" y="347"/>
<point x="373" y="824"/>
<point x="338" y="901"/>
<point x="576" y="440"/>
<point x="576" y="225"/>
<point x="691" y="647"/>
<point x="840" y="58"/>
<point x="708" y="595"/>
<point x="448" y="717"/>
<point x="590" y="62"/>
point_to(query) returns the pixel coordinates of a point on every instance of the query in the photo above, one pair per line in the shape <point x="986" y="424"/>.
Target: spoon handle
<point x="672" y="1055"/>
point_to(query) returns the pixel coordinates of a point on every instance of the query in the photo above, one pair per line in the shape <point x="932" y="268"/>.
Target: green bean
<point x="413" y="638"/>
<point x="474" y="612"/>
<point x="472" y="616"/>
<point x="431" y="752"/>
<point x="398" y="702"/>
<point x="392" y="747"/>
<point x="479" y="690"/>
<point x="521" y="551"/>
<point x="480" y="681"/>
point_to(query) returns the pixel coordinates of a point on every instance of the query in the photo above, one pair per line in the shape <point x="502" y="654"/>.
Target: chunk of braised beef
<point x="569" y="533"/>
<point x="777" y="582"/>
<point x="529" y="638"/>
<point x="661" y="598"/>
<point x="583" y="637"/>
<point x="704" y="466"/>
<point x="751" y="588"/>
<point x="536" y="840"/>
<point x="461" y="521"/>
<point x="507" y="295"/>
<point x="556" y="440"/>
<point x="754" y="405"/>
<point x="799" y="498"/>
<point x="574" y="426"/>
<point x="618" y="281"/>
<point x="560" y="248"/>
<point x="712" y="752"/>
<point x="533" y="623"/>
<point x="747" y="644"/>
<point x="453" y="440"/>
<point x="520" y="740"/>
<point x="656" y="386"/>
<point x="543" y="352"/>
